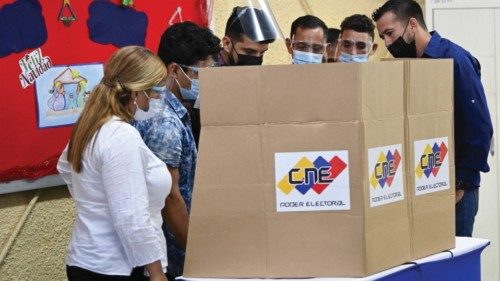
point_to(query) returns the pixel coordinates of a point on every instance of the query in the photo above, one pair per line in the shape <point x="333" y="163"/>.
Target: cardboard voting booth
<point x="322" y="170"/>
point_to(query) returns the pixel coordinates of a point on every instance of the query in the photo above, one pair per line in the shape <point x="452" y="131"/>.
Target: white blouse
<point x="118" y="195"/>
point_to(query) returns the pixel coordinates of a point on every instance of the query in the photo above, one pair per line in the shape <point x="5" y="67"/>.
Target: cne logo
<point x="385" y="169"/>
<point x="431" y="160"/>
<point x="316" y="175"/>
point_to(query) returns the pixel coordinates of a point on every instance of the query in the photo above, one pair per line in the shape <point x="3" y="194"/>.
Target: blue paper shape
<point x="121" y="26"/>
<point x="22" y="26"/>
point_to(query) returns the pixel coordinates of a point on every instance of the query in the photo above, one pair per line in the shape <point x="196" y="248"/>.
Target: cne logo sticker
<point x="432" y="169"/>
<point x="385" y="173"/>
<point x="312" y="181"/>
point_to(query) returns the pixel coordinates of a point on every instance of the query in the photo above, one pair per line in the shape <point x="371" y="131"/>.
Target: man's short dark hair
<point x="403" y="9"/>
<point x="358" y="23"/>
<point x="308" y="22"/>
<point x="235" y="30"/>
<point x="333" y="36"/>
<point x="187" y="43"/>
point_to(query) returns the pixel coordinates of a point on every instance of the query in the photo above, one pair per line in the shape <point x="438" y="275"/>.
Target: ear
<point x="413" y="23"/>
<point x="374" y="48"/>
<point x="134" y="95"/>
<point x="172" y="69"/>
<point x="226" y="44"/>
<point x="288" y="43"/>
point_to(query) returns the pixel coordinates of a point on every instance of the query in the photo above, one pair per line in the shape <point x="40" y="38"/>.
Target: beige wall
<point x="38" y="250"/>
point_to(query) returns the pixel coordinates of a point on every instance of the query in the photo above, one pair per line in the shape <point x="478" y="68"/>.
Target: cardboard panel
<point x="228" y="96"/>
<point x="430" y="86"/>
<point x="382" y="90"/>
<point x="315" y="244"/>
<point x="308" y="171"/>
<point x="226" y="246"/>
<point x="309" y="93"/>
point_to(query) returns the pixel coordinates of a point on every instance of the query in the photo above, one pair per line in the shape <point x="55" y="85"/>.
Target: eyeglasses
<point x="362" y="47"/>
<point x="196" y="69"/>
<point x="308" y="47"/>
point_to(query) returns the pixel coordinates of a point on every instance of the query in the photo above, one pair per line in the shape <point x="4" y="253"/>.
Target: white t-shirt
<point x="118" y="195"/>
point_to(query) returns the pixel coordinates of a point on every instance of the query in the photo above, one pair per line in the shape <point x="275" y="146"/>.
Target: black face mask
<point x="244" y="59"/>
<point x="401" y="49"/>
<point x="249" y="60"/>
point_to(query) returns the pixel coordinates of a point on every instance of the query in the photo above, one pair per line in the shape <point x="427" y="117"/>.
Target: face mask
<point x="159" y="89"/>
<point x="348" y="58"/>
<point x="401" y="49"/>
<point x="300" y="57"/>
<point x="153" y="107"/>
<point x="192" y="93"/>
<point x="244" y="59"/>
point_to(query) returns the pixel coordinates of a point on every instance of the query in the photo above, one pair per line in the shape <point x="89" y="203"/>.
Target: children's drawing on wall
<point x="62" y="92"/>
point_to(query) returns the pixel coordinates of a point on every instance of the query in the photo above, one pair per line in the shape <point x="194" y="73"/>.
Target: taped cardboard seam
<point x="408" y="150"/>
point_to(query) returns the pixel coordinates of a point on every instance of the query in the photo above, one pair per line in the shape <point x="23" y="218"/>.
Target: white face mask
<point x="153" y="108"/>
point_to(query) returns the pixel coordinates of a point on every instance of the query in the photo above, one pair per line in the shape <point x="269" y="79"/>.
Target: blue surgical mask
<point x="348" y="58"/>
<point x="299" y="57"/>
<point x="192" y="93"/>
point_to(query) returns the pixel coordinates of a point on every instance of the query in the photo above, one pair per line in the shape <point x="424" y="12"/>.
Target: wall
<point x="39" y="248"/>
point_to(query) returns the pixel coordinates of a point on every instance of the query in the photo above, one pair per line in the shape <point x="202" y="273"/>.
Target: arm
<point x="64" y="168"/>
<point x="175" y="213"/>
<point x="156" y="272"/>
<point x="473" y="127"/>
<point x="164" y="139"/>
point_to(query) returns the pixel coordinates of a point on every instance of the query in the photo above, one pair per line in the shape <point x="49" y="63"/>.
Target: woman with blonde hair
<point x="118" y="185"/>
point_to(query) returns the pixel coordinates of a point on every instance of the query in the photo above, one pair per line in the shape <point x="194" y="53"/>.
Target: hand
<point x="459" y="194"/>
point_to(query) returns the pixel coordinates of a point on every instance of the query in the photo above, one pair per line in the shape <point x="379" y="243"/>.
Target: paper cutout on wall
<point x="22" y="26"/>
<point x="33" y="65"/>
<point x="176" y="16"/>
<point x="66" y="13"/>
<point x="62" y="92"/>
<point x="119" y="25"/>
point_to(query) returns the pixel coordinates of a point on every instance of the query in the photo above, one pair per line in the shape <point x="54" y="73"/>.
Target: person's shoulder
<point x="117" y="129"/>
<point x="455" y="51"/>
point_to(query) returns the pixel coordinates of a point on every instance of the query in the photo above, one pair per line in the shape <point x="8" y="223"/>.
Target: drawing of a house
<point x="68" y="91"/>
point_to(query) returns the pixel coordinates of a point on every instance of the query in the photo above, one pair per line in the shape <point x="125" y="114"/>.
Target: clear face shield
<point x="307" y="51"/>
<point x="256" y="22"/>
<point x="354" y="51"/>
<point x="355" y="47"/>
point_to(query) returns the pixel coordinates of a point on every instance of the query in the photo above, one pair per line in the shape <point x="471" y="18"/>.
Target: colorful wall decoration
<point x="45" y="78"/>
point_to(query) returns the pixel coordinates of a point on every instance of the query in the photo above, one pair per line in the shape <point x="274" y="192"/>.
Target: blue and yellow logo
<point x="317" y="175"/>
<point x="385" y="169"/>
<point x="431" y="160"/>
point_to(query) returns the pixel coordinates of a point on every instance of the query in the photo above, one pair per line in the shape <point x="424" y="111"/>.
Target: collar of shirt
<point x="170" y="99"/>
<point x="433" y="49"/>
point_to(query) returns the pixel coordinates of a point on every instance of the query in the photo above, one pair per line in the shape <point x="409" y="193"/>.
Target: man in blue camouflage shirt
<point x="184" y="48"/>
